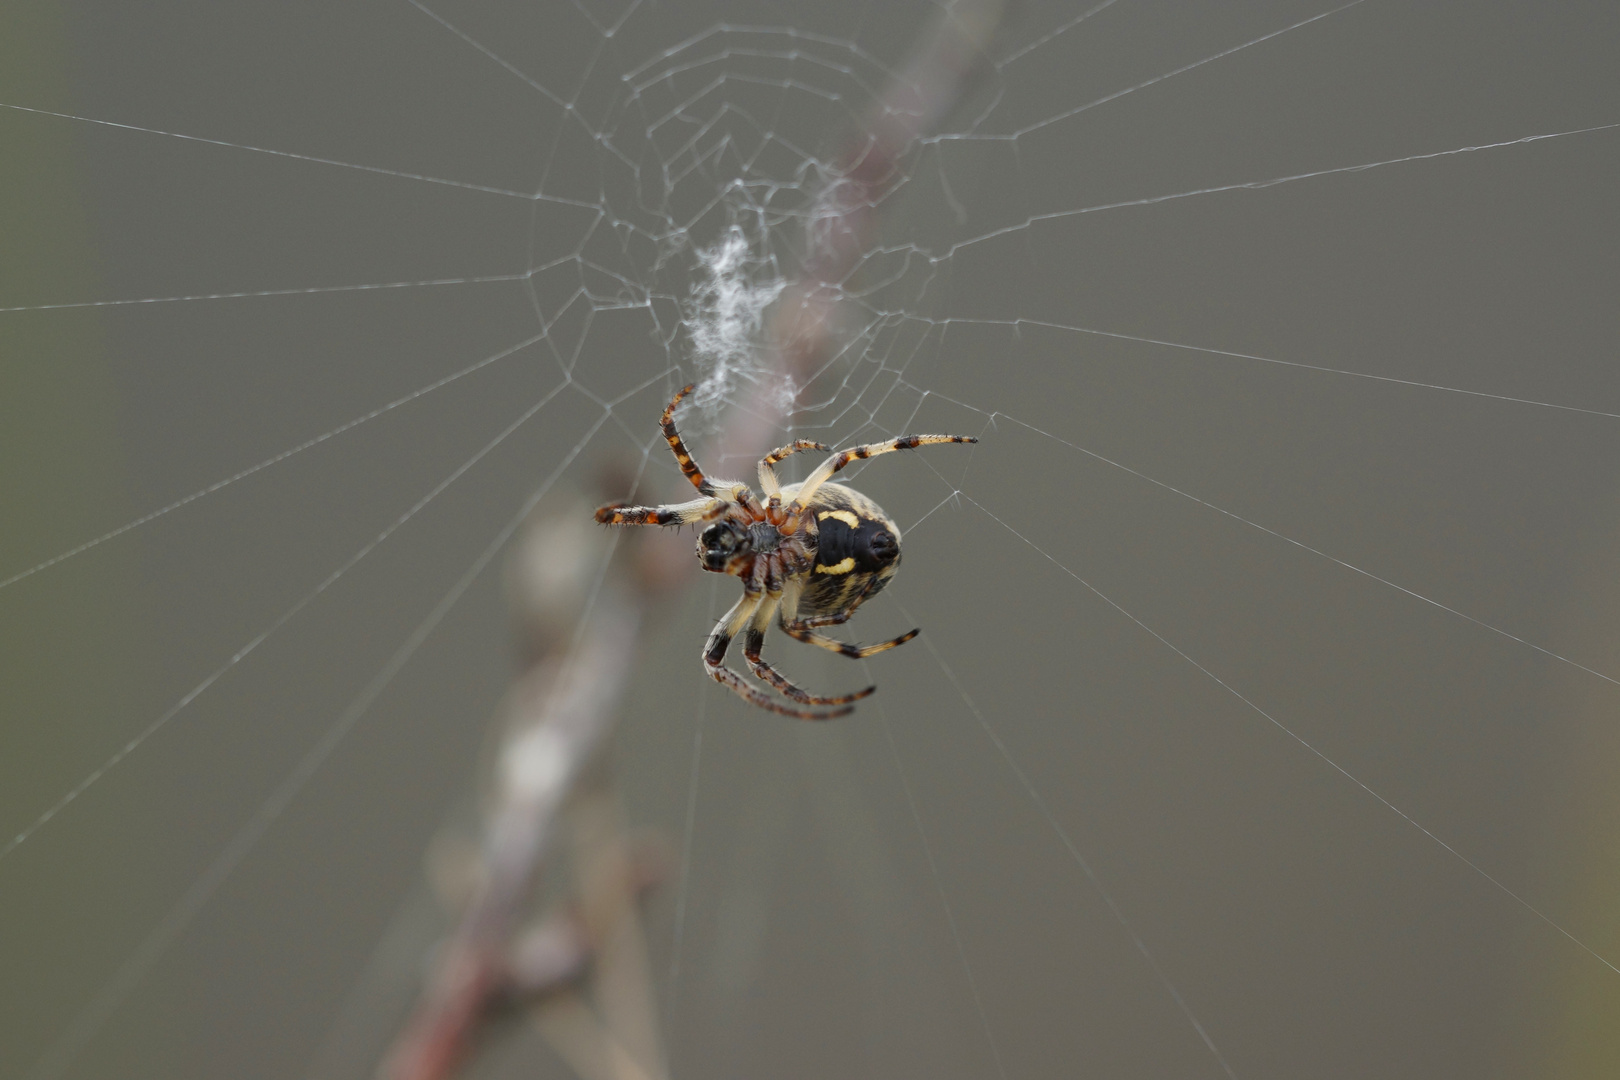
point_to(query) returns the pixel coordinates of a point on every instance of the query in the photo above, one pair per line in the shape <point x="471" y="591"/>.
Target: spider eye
<point x="718" y="544"/>
<point x="720" y="537"/>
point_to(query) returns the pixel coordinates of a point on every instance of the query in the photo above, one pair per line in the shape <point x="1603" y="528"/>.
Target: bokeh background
<point x="1114" y="675"/>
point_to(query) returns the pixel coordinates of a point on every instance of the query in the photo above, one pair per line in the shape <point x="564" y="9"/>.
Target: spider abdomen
<point x="848" y="543"/>
<point x="857" y="551"/>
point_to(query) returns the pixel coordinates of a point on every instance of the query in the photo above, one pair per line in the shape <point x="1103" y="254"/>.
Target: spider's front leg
<point x="827" y="469"/>
<point x="683" y="457"/>
<point x="710" y="506"/>
<point x="768" y="482"/>
<point x="689" y="513"/>
<point x="714" y="654"/>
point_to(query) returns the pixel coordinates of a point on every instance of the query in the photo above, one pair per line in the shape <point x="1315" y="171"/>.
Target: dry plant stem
<point x="844" y="219"/>
<point x="563" y="708"/>
<point x="583" y="1041"/>
<point x="626" y="1039"/>
<point x="572" y="701"/>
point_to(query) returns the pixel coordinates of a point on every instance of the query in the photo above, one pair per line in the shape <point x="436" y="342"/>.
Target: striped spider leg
<point x="805" y="630"/>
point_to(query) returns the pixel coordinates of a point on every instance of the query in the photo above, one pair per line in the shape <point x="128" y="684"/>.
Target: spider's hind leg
<point x="805" y="629"/>
<point x="755" y="637"/>
<point x="802" y="630"/>
<point x="714" y="654"/>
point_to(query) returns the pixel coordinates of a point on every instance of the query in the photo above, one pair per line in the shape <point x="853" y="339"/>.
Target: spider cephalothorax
<point x="808" y="556"/>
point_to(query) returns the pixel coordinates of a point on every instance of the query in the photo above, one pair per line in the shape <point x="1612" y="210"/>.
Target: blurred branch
<point x="557" y="714"/>
<point x="561" y="708"/>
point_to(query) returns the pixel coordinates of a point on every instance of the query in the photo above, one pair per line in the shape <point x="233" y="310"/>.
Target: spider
<point x="808" y="556"/>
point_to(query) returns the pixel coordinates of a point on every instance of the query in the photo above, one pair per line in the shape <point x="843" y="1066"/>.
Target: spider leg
<point x="673" y="514"/>
<point x="824" y="472"/>
<point x="767" y="471"/>
<point x="755" y="637"/>
<point x="689" y="468"/>
<point x="805" y="629"/>
<point x="801" y="630"/>
<point x="714" y="653"/>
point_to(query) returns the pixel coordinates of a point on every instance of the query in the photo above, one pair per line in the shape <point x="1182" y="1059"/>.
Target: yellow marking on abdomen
<point x="843" y="567"/>
<point x="847" y="518"/>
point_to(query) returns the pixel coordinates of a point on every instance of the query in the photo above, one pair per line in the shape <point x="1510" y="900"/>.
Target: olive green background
<point x="900" y="893"/>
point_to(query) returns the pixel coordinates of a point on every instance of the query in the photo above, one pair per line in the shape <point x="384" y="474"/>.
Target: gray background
<point x="1311" y="930"/>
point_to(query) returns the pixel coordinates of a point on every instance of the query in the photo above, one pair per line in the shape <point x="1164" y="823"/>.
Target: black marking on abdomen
<point x="871" y="545"/>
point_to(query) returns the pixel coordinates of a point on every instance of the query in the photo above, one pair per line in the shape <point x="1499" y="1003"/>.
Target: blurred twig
<point x="557" y="714"/>
<point x="561" y="708"/>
